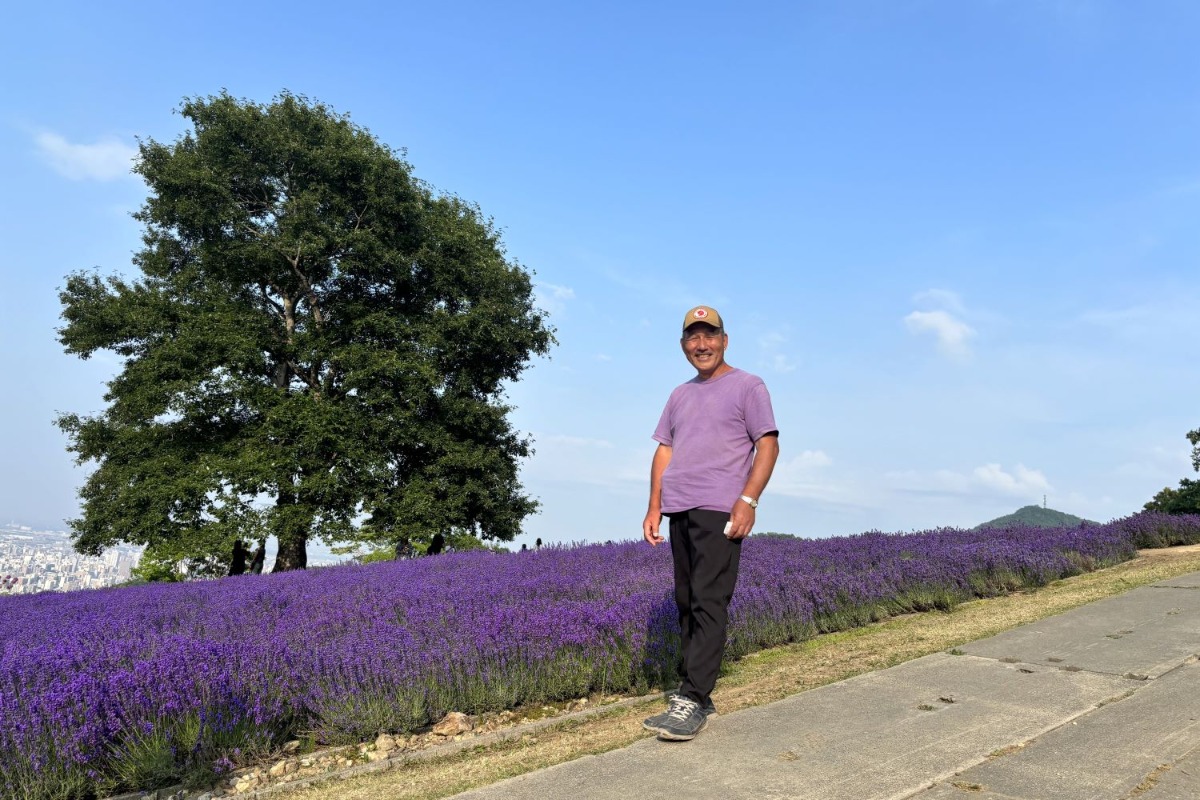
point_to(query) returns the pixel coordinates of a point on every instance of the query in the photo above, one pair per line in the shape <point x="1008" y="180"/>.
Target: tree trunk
<point x="237" y="564"/>
<point x="293" y="553"/>
<point x="404" y="548"/>
<point x="291" y="524"/>
<point x="260" y="556"/>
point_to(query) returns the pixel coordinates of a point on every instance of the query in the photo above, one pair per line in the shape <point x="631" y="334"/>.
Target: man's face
<point x="704" y="347"/>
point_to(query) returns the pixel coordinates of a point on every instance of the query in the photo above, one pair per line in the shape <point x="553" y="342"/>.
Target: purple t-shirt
<point x="711" y="427"/>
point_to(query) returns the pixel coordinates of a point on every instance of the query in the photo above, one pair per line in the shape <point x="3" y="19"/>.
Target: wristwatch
<point x="750" y="501"/>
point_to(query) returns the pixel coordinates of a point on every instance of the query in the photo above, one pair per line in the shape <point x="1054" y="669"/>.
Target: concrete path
<point x="1102" y="703"/>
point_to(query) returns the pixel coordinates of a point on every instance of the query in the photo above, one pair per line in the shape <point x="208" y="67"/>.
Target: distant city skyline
<point x="34" y="561"/>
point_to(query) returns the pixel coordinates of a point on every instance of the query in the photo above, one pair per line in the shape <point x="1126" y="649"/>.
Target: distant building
<point x="34" y="561"/>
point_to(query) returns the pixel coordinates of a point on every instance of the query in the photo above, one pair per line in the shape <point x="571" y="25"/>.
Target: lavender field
<point x="139" y="687"/>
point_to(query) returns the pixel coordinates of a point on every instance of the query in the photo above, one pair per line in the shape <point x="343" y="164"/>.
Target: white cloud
<point x="1021" y="481"/>
<point x="944" y="320"/>
<point x="105" y="160"/>
<point x="574" y="441"/>
<point x="986" y="480"/>
<point x="769" y="346"/>
<point x="810" y="460"/>
<point x="1157" y="463"/>
<point x="584" y="462"/>
<point x="1119" y="318"/>
<point x="942" y="481"/>
<point x="952" y="333"/>
<point x="771" y="341"/>
<point x="552" y="297"/>
<point x="670" y="292"/>
<point x="800" y="476"/>
<point x="1163" y="321"/>
<point x="781" y="363"/>
<point x="941" y="298"/>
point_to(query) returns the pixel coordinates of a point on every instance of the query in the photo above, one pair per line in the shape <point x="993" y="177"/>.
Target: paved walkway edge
<point x="1098" y="703"/>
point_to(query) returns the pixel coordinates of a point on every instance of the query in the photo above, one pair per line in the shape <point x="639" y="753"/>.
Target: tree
<point x="1185" y="499"/>
<point x="316" y="340"/>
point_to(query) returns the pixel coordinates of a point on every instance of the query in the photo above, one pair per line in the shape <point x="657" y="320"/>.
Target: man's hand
<point x="662" y="457"/>
<point x="741" y="516"/>
<point x="741" y="520"/>
<point x="650" y="528"/>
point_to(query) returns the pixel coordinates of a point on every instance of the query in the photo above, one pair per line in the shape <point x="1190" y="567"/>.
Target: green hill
<point x="1036" y="516"/>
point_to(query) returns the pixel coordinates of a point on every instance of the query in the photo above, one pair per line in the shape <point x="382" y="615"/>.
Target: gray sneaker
<point x="657" y="722"/>
<point x="685" y="719"/>
<point x="709" y="708"/>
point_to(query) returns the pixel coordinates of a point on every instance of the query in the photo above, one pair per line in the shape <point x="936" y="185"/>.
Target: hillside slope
<point x="1036" y="516"/>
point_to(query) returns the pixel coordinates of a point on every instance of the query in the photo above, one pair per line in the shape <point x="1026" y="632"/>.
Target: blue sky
<point x="958" y="240"/>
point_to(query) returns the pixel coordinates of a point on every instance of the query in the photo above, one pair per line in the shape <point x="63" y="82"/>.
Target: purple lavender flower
<point x="212" y="668"/>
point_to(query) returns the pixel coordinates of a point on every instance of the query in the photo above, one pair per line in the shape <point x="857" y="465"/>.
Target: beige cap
<point x="706" y="314"/>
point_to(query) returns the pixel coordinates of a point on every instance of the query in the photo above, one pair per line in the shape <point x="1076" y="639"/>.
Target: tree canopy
<point x="317" y="346"/>
<point x="1185" y="499"/>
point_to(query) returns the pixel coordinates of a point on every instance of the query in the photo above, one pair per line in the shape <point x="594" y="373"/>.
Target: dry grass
<point x="762" y="678"/>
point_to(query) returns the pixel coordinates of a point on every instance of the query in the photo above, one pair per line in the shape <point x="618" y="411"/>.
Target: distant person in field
<point x="717" y="446"/>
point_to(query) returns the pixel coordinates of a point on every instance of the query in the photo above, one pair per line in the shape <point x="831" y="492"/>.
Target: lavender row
<point x="1156" y="529"/>
<point x="135" y="687"/>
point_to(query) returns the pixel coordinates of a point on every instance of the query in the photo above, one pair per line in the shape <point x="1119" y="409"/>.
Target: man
<point x="717" y="446"/>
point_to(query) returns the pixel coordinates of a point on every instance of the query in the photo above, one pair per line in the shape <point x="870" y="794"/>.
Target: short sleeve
<point x="760" y="417"/>
<point x="663" y="433"/>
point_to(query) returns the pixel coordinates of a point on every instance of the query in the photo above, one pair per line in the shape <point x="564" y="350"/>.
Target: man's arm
<point x="662" y="457"/>
<point x="766" y="453"/>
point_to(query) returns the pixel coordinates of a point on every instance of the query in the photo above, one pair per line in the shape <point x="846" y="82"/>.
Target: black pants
<point x="706" y="566"/>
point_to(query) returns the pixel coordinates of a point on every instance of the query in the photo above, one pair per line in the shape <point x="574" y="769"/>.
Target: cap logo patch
<point x="699" y="313"/>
